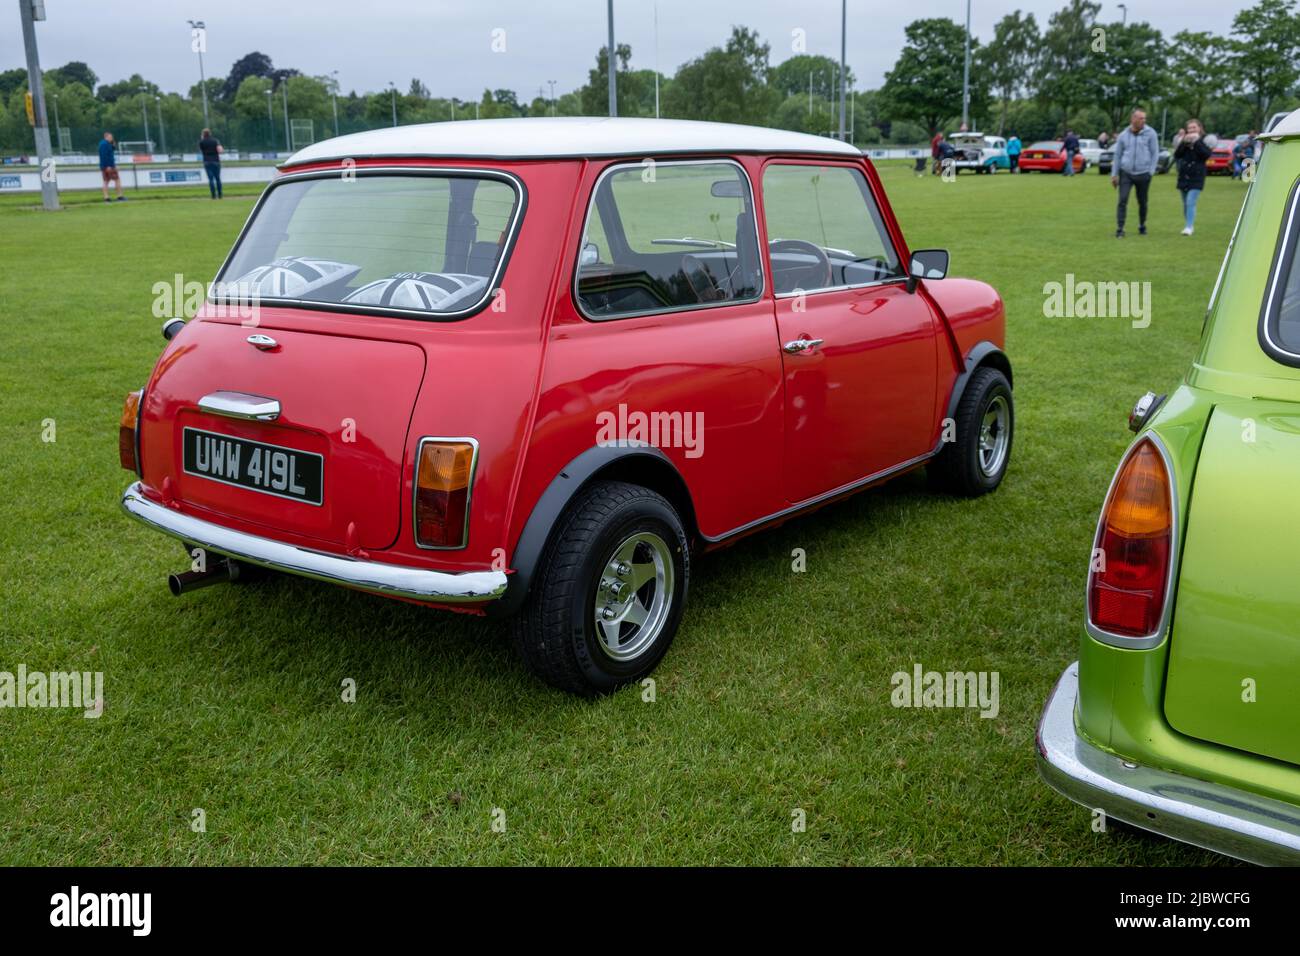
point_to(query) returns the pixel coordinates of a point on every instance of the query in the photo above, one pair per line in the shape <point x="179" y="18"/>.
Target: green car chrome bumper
<point x="1209" y="815"/>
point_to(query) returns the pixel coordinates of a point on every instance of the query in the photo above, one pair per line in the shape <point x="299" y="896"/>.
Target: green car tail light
<point x="1129" y="581"/>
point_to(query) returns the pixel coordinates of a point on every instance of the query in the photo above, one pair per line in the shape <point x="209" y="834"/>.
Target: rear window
<point x="1281" y="315"/>
<point x="429" y="245"/>
<point x="1053" y="145"/>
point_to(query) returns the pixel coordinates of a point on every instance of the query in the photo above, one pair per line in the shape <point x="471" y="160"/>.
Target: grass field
<point x="774" y="698"/>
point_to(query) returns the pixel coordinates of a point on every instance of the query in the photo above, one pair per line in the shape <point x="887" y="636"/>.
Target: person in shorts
<point x="108" y="167"/>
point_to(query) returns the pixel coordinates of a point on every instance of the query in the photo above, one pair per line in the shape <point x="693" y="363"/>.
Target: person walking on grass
<point x="1137" y="150"/>
<point x="1013" y="152"/>
<point x="1071" y="145"/>
<point x="1191" y="149"/>
<point x="211" y="151"/>
<point x="108" y="167"/>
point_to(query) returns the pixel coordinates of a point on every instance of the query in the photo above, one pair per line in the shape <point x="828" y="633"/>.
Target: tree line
<point x="1074" y="72"/>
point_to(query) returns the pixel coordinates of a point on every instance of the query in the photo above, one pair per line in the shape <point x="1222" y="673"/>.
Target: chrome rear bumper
<point x="391" y="579"/>
<point x="1210" y="815"/>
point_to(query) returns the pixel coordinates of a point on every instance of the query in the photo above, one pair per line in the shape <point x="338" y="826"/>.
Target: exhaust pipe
<point x="218" y="572"/>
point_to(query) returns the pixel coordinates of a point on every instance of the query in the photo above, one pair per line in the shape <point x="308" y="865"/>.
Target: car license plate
<point x="257" y="466"/>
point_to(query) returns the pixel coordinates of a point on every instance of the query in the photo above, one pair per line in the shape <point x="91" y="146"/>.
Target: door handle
<point x="241" y="405"/>
<point x="802" y="345"/>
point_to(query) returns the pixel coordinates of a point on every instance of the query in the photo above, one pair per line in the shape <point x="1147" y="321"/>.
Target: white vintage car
<point x="984" y="154"/>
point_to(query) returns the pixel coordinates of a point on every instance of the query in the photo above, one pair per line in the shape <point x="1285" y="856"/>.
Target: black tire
<point x="960" y="466"/>
<point x="556" y="632"/>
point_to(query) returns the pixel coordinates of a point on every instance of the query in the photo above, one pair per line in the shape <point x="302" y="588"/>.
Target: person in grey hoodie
<point x="1137" y="149"/>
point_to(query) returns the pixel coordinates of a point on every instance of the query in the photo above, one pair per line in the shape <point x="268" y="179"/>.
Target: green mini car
<point x="1182" y="714"/>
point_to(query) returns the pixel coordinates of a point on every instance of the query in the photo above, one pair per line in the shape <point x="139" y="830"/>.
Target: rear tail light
<point x="127" y="432"/>
<point x="444" y="473"/>
<point x="1129" y="581"/>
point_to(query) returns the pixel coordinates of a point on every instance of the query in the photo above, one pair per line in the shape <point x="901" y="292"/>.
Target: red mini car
<point x="1220" y="161"/>
<point x="1049" y="157"/>
<point x="528" y="366"/>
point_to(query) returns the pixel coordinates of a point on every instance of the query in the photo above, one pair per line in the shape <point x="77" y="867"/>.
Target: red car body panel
<point x="528" y="380"/>
<point x="1220" y="160"/>
<point x="1048" y="161"/>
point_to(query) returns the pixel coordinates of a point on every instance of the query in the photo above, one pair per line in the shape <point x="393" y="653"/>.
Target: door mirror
<point x="927" y="264"/>
<point x="590" y="255"/>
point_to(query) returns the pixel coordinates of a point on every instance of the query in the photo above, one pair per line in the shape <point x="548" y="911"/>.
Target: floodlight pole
<point x="57" y="138"/>
<point x="284" y="92"/>
<point x="203" y="83"/>
<point x="334" y="92"/>
<point x="844" y="22"/>
<point x="609" y="64"/>
<point x="32" y="10"/>
<point x="144" y="114"/>
<point x="965" y="80"/>
<point x="392" y="89"/>
<point x="552" y="83"/>
<point x="162" y="130"/>
<point x="656" y="59"/>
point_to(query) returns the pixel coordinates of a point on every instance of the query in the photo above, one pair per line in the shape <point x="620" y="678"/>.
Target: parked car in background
<point x="1220" y="161"/>
<point x="1164" y="159"/>
<point x="1180" y="715"/>
<point x="1048" y="156"/>
<point x="983" y="154"/>
<point x="512" y="367"/>
<point x="1090" y="150"/>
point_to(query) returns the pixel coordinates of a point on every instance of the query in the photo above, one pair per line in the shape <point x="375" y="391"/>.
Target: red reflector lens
<point x="1129" y="580"/>
<point x="126" y="432"/>
<point x="443" y="476"/>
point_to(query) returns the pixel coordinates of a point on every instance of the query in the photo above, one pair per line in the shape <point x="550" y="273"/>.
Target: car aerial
<point x="1180" y="714"/>
<point x="984" y="154"/>
<point x="1220" y="161"/>
<point x="525" y="367"/>
<point x="1048" y="156"/>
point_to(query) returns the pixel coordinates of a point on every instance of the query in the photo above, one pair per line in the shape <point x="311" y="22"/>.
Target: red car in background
<point x="1049" y="157"/>
<point x="1220" y="161"/>
<point x="528" y="366"/>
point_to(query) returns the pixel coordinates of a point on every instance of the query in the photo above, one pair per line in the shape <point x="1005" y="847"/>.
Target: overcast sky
<point x="448" y="43"/>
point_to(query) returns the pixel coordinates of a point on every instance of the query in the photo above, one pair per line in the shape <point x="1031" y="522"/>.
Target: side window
<point x="823" y="229"/>
<point x="668" y="236"/>
<point x="1281" y="314"/>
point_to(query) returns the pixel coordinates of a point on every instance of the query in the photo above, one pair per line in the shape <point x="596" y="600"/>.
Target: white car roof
<point x="565" y="137"/>
<point x="1287" y="126"/>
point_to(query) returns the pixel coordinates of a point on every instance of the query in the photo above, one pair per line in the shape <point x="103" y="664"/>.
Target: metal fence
<point x="244" y="136"/>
